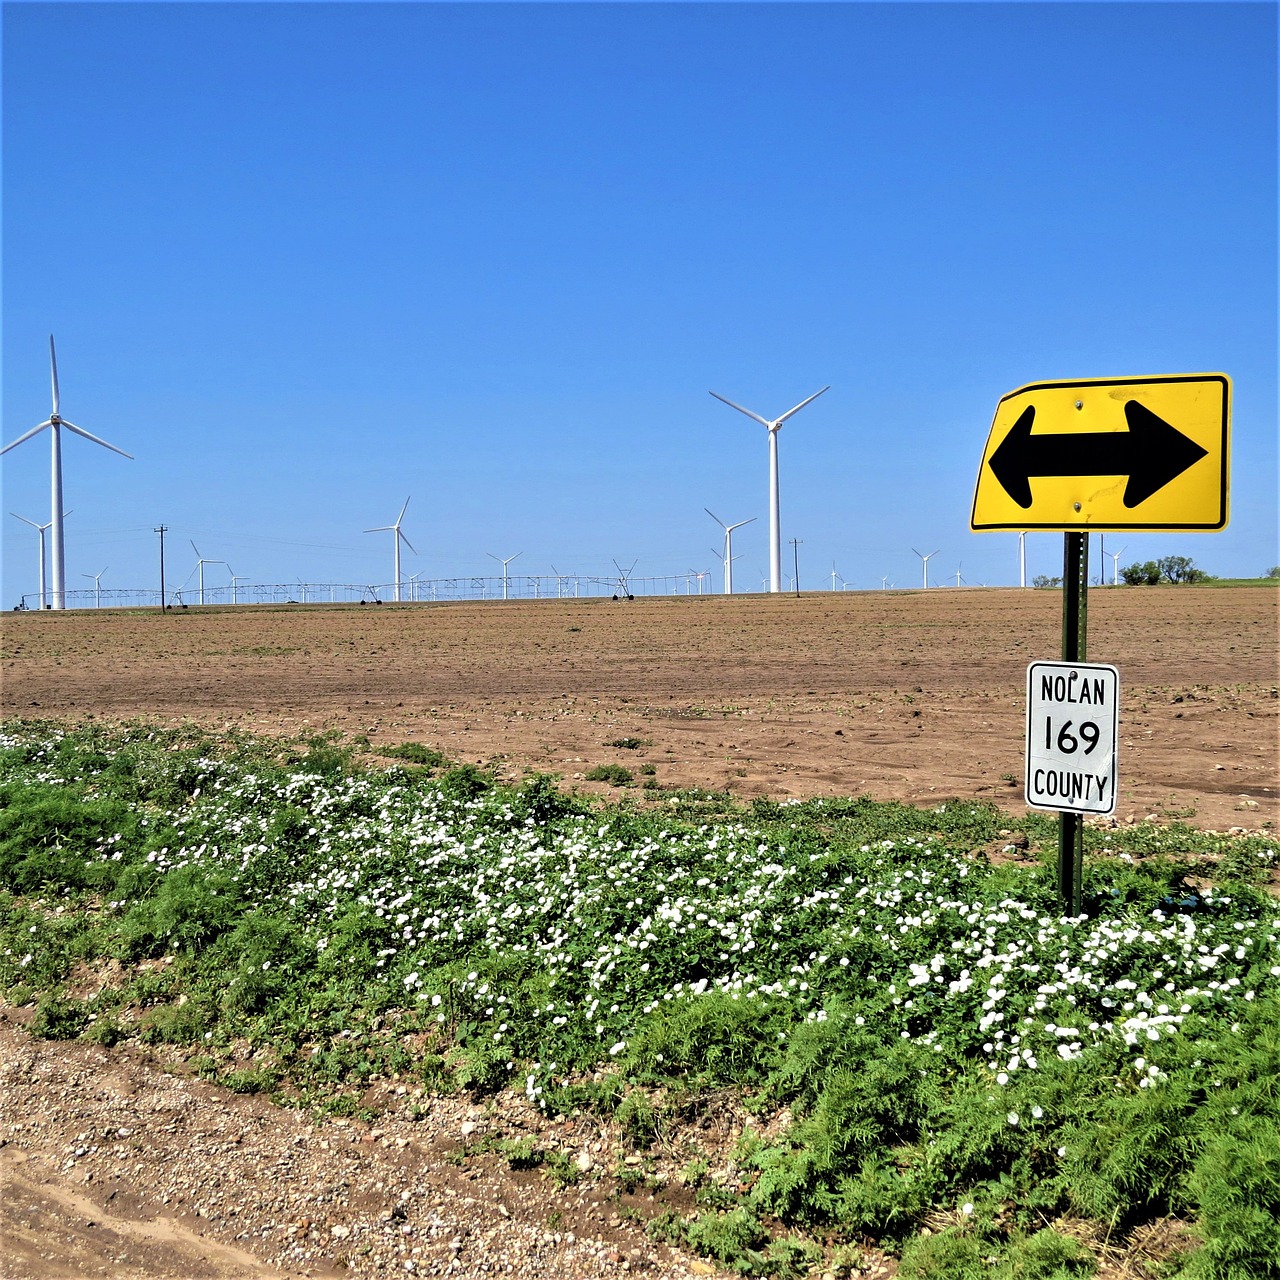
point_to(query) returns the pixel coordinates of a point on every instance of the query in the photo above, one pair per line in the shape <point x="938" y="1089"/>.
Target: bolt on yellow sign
<point x="1145" y="453"/>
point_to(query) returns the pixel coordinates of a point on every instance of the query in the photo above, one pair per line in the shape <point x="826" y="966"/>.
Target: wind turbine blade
<point x="800" y="406"/>
<point x="80" y="431"/>
<point x="407" y="543"/>
<point x="402" y="511"/>
<point x="762" y="421"/>
<point x="195" y="549"/>
<point x="715" y="517"/>
<point x="53" y="373"/>
<point x="33" y="432"/>
<point x="24" y="520"/>
<point x="382" y="528"/>
<point x="739" y="525"/>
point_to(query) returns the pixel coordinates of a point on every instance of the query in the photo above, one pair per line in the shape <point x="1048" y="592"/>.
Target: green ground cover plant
<point x="948" y="1047"/>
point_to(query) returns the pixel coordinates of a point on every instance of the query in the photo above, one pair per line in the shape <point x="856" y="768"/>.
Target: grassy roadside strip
<point x="935" y="1060"/>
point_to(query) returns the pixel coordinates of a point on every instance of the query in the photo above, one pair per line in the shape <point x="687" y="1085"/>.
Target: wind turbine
<point x="728" y="547"/>
<point x="235" y="579"/>
<point x="55" y="422"/>
<point x="926" y="560"/>
<point x="1115" y="565"/>
<point x="397" y="533"/>
<point x="504" y="564"/>
<point x="40" y="529"/>
<point x="200" y="564"/>
<point x="1022" y="559"/>
<point x="700" y="574"/>
<point x="97" y="586"/>
<point x="834" y="576"/>
<point x="775" y="530"/>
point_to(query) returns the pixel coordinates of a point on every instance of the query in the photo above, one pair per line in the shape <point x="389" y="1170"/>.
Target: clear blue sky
<point x="306" y="260"/>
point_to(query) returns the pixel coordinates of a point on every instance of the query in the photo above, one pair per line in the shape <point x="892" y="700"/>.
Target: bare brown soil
<point x="906" y="695"/>
<point x="111" y="1167"/>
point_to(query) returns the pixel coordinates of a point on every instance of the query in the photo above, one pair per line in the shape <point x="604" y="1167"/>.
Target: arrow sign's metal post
<point x="1075" y="615"/>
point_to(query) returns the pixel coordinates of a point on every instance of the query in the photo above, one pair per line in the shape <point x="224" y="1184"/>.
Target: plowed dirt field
<point x="910" y="695"/>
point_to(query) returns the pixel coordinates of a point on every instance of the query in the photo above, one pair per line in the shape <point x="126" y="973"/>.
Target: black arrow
<point x="1150" y="453"/>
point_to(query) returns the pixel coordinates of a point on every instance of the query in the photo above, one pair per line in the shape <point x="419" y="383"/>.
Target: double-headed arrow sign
<point x="1135" y="453"/>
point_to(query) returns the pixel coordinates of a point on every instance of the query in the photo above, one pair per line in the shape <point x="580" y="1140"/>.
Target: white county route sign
<point x="1073" y="721"/>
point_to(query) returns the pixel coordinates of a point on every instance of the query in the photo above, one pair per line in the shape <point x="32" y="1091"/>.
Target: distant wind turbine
<point x="200" y="564"/>
<point x="925" y="559"/>
<point x="728" y="547"/>
<point x="97" y="586"/>
<point x="504" y="564"/>
<point x="775" y="527"/>
<point x="397" y="533"/>
<point x="55" y="422"/>
<point x="40" y="529"/>
<point x="1115" y="565"/>
<point x="1022" y="559"/>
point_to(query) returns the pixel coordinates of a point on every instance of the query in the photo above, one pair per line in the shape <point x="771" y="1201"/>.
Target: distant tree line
<point x="1167" y="569"/>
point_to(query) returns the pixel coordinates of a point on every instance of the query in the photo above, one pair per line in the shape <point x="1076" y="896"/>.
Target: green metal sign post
<point x="1075" y="623"/>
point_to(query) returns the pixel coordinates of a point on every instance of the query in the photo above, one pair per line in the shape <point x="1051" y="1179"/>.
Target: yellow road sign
<point x="1103" y="454"/>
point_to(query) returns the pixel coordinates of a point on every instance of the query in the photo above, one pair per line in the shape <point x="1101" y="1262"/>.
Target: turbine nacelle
<point x="769" y="424"/>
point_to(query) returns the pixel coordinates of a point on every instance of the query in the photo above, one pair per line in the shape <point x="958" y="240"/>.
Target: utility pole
<point x="795" y="554"/>
<point x="161" y="530"/>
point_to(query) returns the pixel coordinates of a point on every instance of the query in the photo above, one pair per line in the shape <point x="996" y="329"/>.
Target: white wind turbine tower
<point x="728" y="547"/>
<point x="1022" y="559"/>
<point x="504" y="564"/>
<point x="396" y="533"/>
<point x="236" y="579"/>
<point x="1115" y="565"/>
<point x="775" y="528"/>
<point x="40" y="529"/>
<point x="925" y="559"/>
<point x="200" y="564"/>
<point x="55" y="422"/>
<point x="97" y="586"/>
